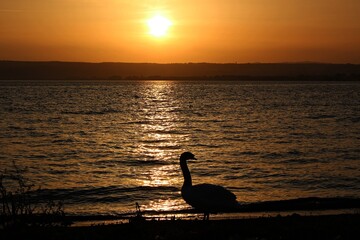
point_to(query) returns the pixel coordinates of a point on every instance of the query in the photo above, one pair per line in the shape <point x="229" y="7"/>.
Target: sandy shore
<point x="344" y="226"/>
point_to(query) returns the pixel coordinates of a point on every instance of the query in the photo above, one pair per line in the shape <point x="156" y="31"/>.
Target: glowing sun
<point x="158" y="25"/>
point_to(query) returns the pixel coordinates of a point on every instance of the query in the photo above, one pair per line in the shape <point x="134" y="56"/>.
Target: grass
<point x="17" y="204"/>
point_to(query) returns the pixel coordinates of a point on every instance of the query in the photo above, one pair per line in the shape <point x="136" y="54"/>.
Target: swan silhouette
<point x="207" y="198"/>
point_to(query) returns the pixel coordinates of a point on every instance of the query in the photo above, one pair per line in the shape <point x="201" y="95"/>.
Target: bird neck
<point x="186" y="173"/>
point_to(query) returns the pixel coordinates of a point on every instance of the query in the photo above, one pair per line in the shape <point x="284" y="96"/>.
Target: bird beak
<point x="194" y="158"/>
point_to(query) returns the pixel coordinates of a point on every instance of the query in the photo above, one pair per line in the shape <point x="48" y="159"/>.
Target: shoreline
<point x="303" y="206"/>
<point x="85" y="221"/>
<point x="342" y="226"/>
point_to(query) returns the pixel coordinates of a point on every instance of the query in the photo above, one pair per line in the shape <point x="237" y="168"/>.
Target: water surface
<point x="101" y="146"/>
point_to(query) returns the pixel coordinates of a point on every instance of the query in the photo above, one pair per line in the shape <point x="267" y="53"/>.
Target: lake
<point x="101" y="146"/>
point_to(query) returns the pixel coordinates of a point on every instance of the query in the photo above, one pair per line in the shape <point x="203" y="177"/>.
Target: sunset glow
<point x="190" y="31"/>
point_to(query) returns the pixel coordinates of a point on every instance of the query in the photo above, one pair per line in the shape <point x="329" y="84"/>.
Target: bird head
<point x="186" y="156"/>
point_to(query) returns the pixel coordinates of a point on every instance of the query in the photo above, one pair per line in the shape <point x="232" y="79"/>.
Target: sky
<point x="217" y="31"/>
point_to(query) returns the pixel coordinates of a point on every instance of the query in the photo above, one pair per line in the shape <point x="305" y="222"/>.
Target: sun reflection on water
<point x="161" y="176"/>
<point x="159" y="139"/>
<point x="165" y="205"/>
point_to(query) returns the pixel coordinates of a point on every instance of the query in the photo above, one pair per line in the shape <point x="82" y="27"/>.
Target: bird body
<point x="208" y="198"/>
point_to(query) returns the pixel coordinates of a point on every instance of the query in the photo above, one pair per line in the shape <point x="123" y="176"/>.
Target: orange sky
<point x="201" y="30"/>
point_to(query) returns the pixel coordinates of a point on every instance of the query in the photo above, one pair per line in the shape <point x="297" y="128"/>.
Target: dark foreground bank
<point x="345" y="226"/>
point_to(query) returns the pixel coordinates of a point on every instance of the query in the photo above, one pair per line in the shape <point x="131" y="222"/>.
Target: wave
<point x="108" y="194"/>
<point x="310" y="203"/>
<point x="300" y="161"/>
<point x="281" y="155"/>
<point x="138" y="163"/>
<point x="297" y="204"/>
<point x="288" y="205"/>
<point x="322" y="116"/>
<point x="92" y="112"/>
<point x="65" y="141"/>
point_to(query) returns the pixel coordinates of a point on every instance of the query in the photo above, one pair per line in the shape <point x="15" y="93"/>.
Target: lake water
<point x="101" y="146"/>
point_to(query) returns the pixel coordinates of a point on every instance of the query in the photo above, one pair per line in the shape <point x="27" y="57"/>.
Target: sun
<point x="158" y="26"/>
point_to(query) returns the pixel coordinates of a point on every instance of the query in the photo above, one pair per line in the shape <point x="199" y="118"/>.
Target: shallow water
<point x="101" y="146"/>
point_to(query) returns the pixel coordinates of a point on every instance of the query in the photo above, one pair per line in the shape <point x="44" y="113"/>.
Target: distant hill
<point x="21" y="70"/>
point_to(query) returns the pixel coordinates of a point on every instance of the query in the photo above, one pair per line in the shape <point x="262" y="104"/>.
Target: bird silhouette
<point x="207" y="198"/>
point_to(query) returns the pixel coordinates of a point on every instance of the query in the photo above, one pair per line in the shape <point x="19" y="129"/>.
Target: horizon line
<point x="169" y="63"/>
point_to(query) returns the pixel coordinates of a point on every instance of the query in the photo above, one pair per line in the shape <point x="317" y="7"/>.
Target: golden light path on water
<point x="161" y="123"/>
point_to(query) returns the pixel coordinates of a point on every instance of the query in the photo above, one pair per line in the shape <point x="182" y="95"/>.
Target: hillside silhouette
<point x="22" y="70"/>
